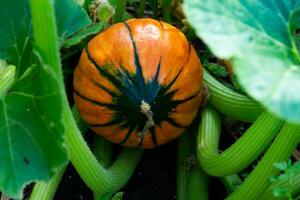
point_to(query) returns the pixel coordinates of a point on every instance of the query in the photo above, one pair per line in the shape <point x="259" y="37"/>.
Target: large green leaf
<point x="16" y="31"/>
<point x="258" y="35"/>
<point x="31" y="128"/>
<point x="31" y="131"/>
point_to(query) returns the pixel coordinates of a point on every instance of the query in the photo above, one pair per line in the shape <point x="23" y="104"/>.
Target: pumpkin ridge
<point x="94" y="102"/>
<point x="112" y="122"/>
<point x="187" y="98"/>
<point x="154" y="85"/>
<point x="114" y="80"/>
<point x="174" y="123"/>
<point x="127" y="136"/>
<point x="104" y="88"/>
<point x="167" y="87"/>
<point x="139" y="71"/>
<point x="153" y="135"/>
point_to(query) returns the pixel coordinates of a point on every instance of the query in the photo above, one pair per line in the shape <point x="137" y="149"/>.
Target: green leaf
<point x="279" y="191"/>
<point x="31" y="128"/>
<point x="70" y="18"/>
<point x="31" y="131"/>
<point x="16" y="43"/>
<point x="259" y="36"/>
<point x="282" y="166"/>
<point x="78" y="37"/>
<point x="216" y="69"/>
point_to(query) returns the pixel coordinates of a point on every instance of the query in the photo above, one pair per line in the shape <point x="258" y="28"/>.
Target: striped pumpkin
<point x="139" y="83"/>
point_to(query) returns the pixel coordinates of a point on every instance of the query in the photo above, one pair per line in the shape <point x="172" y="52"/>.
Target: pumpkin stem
<point x="146" y="109"/>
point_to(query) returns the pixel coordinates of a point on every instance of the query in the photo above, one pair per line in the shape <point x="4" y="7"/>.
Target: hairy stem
<point x="281" y="149"/>
<point x="239" y="155"/>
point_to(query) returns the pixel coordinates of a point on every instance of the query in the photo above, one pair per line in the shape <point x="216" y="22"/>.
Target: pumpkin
<point x="139" y="83"/>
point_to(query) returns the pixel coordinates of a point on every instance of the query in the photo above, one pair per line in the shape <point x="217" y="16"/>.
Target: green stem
<point x="120" y="7"/>
<point x="86" y="4"/>
<point x="154" y="5"/>
<point x="103" y="152"/>
<point x="46" y="191"/>
<point x="141" y="9"/>
<point x="198" y="184"/>
<point x="7" y="75"/>
<point x="184" y="151"/>
<point x="98" y="178"/>
<point x="166" y="7"/>
<point x="94" y="174"/>
<point x="239" y="155"/>
<point x="191" y="180"/>
<point x="281" y="149"/>
<point x="231" y="182"/>
<point x="230" y="102"/>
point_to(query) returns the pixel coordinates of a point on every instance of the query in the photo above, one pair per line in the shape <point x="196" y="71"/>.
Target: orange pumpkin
<point x="139" y="83"/>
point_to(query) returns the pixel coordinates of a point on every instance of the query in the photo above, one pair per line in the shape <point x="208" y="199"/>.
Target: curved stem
<point x="98" y="178"/>
<point x="46" y="191"/>
<point x="94" y="174"/>
<point x="281" y="149"/>
<point x="231" y="103"/>
<point x="102" y="150"/>
<point x="239" y="155"/>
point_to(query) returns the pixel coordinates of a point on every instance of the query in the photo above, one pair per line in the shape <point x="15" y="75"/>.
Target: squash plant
<point x="259" y="37"/>
<point x="40" y="132"/>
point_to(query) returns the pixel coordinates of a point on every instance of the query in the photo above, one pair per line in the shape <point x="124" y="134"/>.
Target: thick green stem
<point x="102" y="150"/>
<point x="198" y="184"/>
<point x="184" y="151"/>
<point x="46" y="191"/>
<point x="239" y="155"/>
<point x="281" y="149"/>
<point x="94" y="174"/>
<point x="230" y="102"/>
<point x="191" y="180"/>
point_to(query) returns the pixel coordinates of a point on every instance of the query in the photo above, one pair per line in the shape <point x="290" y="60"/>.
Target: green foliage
<point x="31" y="127"/>
<point x="288" y="171"/>
<point x="259" y="37"/>
<point x="216" y="69"/>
